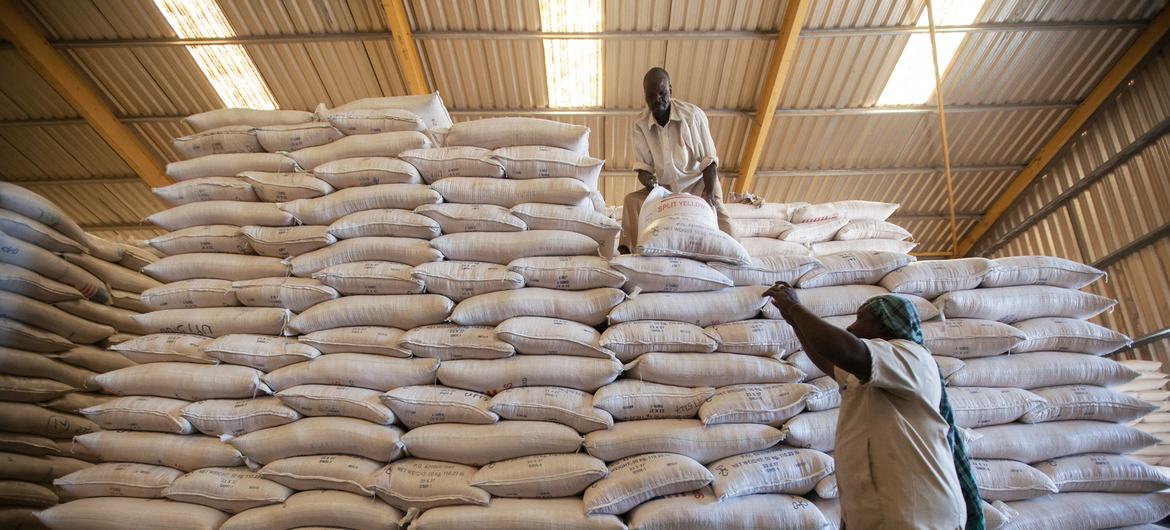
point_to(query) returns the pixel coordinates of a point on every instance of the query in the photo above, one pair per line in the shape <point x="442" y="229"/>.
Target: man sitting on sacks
<point x="900" y="461"/>
<point x="672" y="148"/>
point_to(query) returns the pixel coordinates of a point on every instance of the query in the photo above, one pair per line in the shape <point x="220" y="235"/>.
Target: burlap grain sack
<point x="290" y="137"/>
<point x="686" y="437"/>
<point x="769" y="404"/>
<point x="294" y="294"/>
<point x="494" y="133"/>
<point x="1086" y="402"/>
<point x="28" y="444"/>
<point x="587" y="307"/>
<point x="387" y="223"/>
<point x="218" y="417"/>
<point x="767" y="270"/>
<point x="517" y="514"/>
<point x="965" y="338"/>
<point x="813" y="430"/>
<point x="140" y="413"/>
<point x="375" y="372"/>
<point x="416" y="406"/>
<point x="755" y="337"/>
<point x="438" y="163"/>
<point x="318" y="508"/>
<point x="286" y="241"/>
<point x="115" y="317"/>
<point x="1040" y="270"/>
<point x="403" y="311"/>
<point x="630" y="399"/>
<point x="179" y="451"/>
<point x="233" y="213"/>
<point x="332" y="400"/>
<point x="552" y="336"/>
<point x="212" y="119"/>
<point x="452" y="342"/>
<point x="1103" y="472"/>
<point x="426" y="484"/>
<point x="805" y="232"/>
<point x="367" y="171"/>
<point x="75" y="402"/>
<point x="1041" y="369"/>
<point x="668" y="274"/>
<point x="216" y="322"/>
<point x="327" y="209"/>
<point x="191" y="294"/>
<point x="1070" y="335"/>
<point x="31" y="389"/>
<point x="20" y="493"/>
<point x="630" y="339"/>
<point x="95" y="359"/>
<point x="284" y="187"/>
<point x="581" y="373"/>
<point x="701" y="309"/>
<point x="42" y="469"/>
<point x="776" y="470"/>
<point x="872" y="229"/>
<point x="458" y="218"/>
<point x="931" y="279"/>
<point x="187" y="381"/>
<point x="772" y="228"/>
<point x="397" y="249"/>
<point x="379" y="144"/>
<point x="49" y="265"/>
<point x="715" y="369"/>
<point x="206" y="189"/>
<point x="29" y="364"/>
<point x="566" y="406"/>
<point x="854" y="268"/>
<point x="50" y="318"/>
<point x="981" y="407"/>
<point x="540" y="476"/>
<point x="568" y="273"/>
<point x="352" y="474"/>
<point x="230" y="490"/>
<point x="459" y="280"/>
<point x="229" y="164"/>
<point x="231" y="267"/>
<point x="261" y="352"/>
<point x="120" y="479"/>
<point x="1013" y="304"/>
<point x="122" y="299"/>
<point x="702" y="509"/>
<point x="684" y="225"/>
<point x="371" y="121"/>
<point x="222" y="239"/>
<point x="166" y="347"/>
<point x="370" y="277"/>
<point x="506" y="247"/>
<point x="511" y="193"/>
<point x="477" y="445"/>
<point x="1007" y="480"/>
<point x="358" y="339"/>
<point x="1082" y="511"/>
<point x="542" y="161"/>
<point x="125" y="512"/>
<point x="636" y="479"/>
<point x="1045" y="441"/>
<point x="25" y="282"/>
<point x="321" y="436"/>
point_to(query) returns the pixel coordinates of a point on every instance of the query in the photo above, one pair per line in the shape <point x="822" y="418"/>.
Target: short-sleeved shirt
<point x="895" y="468"/>
<point x="678" y="152"/>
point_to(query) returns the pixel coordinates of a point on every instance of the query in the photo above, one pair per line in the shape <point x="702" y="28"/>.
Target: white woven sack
<point x="769" y="404"/>
<point x="212" y="119"/>
<point x="452" y="342"/>
<point x="511" y="193"/>
<point x="668" y="274"/>
<point x="1040" y="270"/>
<point x="438" y="163"/>
<point x="813" y="430"/>
<point x="494" y="133"/>
<point x="826" y="396"/>
<point x="701" y="309"/>
<point x="25" y="282"/>
<point x="872" y="229"/>
<point x="164" y="347"/>
<point x="813" y="231"/>
<point x="702" y="509"/>
<point x="261" y="352"/>
<point x="417" y="406"/>
<point x="566" y="406"/>
<point x="1041" y="369"/>
<point x="294" y="294"/>
<point x="755" y="337"/>
<point x="283" y="187"/>
<point x="837" y="300"/>
<point x="572" y="219"/>
<point x="286" y="241"/>
<point x="776" y="470"/>
<point x="630" y="339"/>
<point x="630" y="399"/>
<point x="767" y="270"/>
<point x="216" y="322"/>
<point x="587" y="307"/>
<point x="1045" y="441"/>
<point x="385" y="222"/>
<point x="517" y="514"/>
<point x="397" y="311"/>
<point x="769" y="210"/>
<point x="140" y="413"/>
<point x="428" y="107"/>
<point x="357" y="339"/>
<point x="333" y="400"/>
<point x="455" y="218"/>
<point x="870" y="245"/>
<point x="230" y="490"/>
<point x="580" y="373"/>
<point x="321" y="436"/>
<point x="126" y="512"/>
<point x="506" y="247"/>
<point x="318" y="508"/>
<point x="371" y="121"/>
<point x="690" y="438"/>
<point x="1007" y="480"/>
<point x="540" y="476"/>
<point x="367" y="171"/>
<point x="187" y="381"/>
<point x="1013" y="304"/>
<point x="1103" y="472"/>
<point x="844" y="209"/>
<point x="1086" y="511"/>
<point x="459" y="280"/>
<point x="229" y="164"/>
<point x="542" y="161"/>
<point x="853" y="268"/>
<point x="38" y="233"/>
<point x="683" y="225"/>
<point x="636" y="479"/>
<point x="930" y="279"/>
<point x="136" y="481"/>
<point x="477" y="445"/>
<point x="404" y="250"/>
<point x="290" y="137"/>
<point x="223" y="239"/>
<point x="966" y="338"/>
<point x="370" y="277"/>
<point x="233" y="213"/>
<point x="415" y="484"/>
<point x="217" y="417"/>
<point x="769" y="228"/>
<point x="552" y="336"/>
<point x="352" y="474"/>
<point x="766" y="247"/>
<point x="232" y="267"/>
<point x="375" y="372"/>
<point x="364" y="145"/>
<point x="1063" y="334"/>
<point x="981" y="407"/>
<point x="206" y="189"/>
<point x="569" y="273"/>
<point x="327" y="209"/>
<point x="715" y="369"/>
<point x="1086" y="402"/>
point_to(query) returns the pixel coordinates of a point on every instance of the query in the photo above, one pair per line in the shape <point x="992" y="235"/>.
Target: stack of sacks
<point x="1149" y="386"/>
<point x="64" y="296"/>
<point x="826" y="228"/>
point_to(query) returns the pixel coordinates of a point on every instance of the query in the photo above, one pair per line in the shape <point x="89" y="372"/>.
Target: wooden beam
<point x="405" y="50"/>
<point x="56" y="70"/>
<point x="1122" y="68"/>
<point x="794" y="14"/>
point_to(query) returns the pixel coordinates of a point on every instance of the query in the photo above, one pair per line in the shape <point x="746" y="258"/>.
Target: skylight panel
<point x="912" y="81"/>
<point x="572" y="66"/>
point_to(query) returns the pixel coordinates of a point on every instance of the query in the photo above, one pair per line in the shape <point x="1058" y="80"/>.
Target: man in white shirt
<point x="673" y="148"/>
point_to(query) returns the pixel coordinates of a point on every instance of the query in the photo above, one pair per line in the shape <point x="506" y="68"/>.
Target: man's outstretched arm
<point x="827" y="345"/>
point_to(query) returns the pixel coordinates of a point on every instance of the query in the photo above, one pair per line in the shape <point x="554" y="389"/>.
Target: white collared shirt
<point x="678" y="152"/>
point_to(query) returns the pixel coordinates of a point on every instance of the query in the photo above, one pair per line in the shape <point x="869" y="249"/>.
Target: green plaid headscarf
<point x="900" y="318"/>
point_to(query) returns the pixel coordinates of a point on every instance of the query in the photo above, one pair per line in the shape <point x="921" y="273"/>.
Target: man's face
<point x="867" y="327"/>
<point x="657" y="94"/>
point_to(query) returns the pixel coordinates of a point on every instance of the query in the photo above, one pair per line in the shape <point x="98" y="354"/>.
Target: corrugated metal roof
<point x="104" y="203"/>
<point x="475" y="74"/>
<point x="918" y="193"/>
<point x="1068" y="10"/>
<point x="57" y="152"/>
<point x="27" y="95"/>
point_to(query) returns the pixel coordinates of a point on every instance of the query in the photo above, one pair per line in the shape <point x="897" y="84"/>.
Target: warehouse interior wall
<point x="1105" y="201"/>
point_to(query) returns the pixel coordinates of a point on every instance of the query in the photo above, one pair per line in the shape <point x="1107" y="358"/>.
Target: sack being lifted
<point x="684" y="225"/>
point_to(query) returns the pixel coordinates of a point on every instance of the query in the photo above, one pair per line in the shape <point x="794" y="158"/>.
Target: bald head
<point x="656" y="86"/>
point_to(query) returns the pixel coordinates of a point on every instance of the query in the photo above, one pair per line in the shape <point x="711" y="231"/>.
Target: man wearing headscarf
<point x="900" y="461"/>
